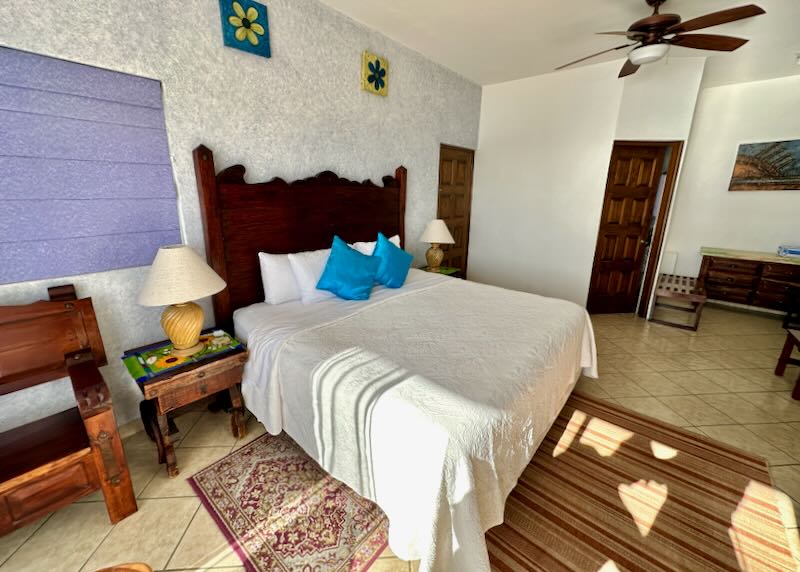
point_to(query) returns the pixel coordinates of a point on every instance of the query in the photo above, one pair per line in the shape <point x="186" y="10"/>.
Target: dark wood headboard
<point x="242" y="219"/>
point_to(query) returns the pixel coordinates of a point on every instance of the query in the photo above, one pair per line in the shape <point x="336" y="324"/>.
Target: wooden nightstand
<point x="446" y="270"/>
<point x="186" y="385"/>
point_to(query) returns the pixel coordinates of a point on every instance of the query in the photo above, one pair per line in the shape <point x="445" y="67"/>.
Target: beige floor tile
<point x="695" y="410"/>
<point x="203" y="546"/>
<point x="766" y="379"/>
<point x="211" y="430"/>
<point x="696" y="360"/>
<point x="694" y="382"/>
<point x="781" y="435"/>
<point x="619" y="385"/>
<point x="655" y="383"/>
<point x="661" y="363"/>
<point x="757" y="359"/>
<point x="779" y="405"/>
<point x="740" y="437"/>
<point x="190" y="460"/>
<point x="730" y="380"/>
<point x="13" y="540"/>
<point x="623" y="363"/>
<point x="654" y="408"/>
<point x="787" y="479"/>
<point x="64" y="542"/>
<point x="591" y="387"/>
<point x="149" y="535"/>
<point x="255" y="429"/>
<point x="737" y="408"/>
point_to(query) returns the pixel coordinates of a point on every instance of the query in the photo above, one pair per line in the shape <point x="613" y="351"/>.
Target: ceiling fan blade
<point x="717" y="18"/>
<point x="595" y="55"/>
<point x="708" y="42"/>
<point x="628" y="34"/>
<point x="628" y="69"/>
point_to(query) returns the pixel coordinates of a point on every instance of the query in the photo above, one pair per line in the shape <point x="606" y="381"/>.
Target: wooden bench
<point x="687" y="295"/>
<point x="49" y="463"/>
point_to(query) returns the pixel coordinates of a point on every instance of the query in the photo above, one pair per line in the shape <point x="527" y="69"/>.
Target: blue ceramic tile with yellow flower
<point x="375" y="74"/>
<point x="245" y="26"/>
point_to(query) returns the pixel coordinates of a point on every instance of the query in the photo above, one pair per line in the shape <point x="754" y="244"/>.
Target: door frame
<point x="471" y="188"/>
<point x="659" y="229"/>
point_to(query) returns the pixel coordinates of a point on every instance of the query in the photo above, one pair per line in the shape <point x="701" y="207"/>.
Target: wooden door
<point x="455" y="201"/>
<point x="623" y="238"/>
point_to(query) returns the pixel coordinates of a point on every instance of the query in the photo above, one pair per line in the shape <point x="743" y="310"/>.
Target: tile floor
<point x="717" y="382"/>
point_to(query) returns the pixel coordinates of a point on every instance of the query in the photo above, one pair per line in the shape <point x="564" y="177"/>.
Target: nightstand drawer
<point x="197" y="387"/>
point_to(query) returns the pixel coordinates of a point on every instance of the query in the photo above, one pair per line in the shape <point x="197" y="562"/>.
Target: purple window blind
<point x="85" y="178"/>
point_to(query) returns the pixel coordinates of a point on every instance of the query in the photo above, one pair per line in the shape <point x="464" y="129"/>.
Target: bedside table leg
<point x="169" y="449"/>
<point x="237" y="412"/>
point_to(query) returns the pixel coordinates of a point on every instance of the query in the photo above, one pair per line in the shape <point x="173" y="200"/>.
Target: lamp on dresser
<point x="436" y="233"/>
<point x="177" y="277"/>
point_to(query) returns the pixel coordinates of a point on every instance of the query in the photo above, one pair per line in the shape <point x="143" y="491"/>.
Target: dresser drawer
<point x="734" y="265"/>
<point x="728" y="293"/>
<point x="770" y="300"/>
<point x="730" y="279"/>
<point x="788" y="272"/>
<point x="201" y="386"/>
<point x="775" y="287"/>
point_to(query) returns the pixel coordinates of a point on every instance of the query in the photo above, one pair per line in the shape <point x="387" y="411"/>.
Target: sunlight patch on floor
<point x="604" y="437"/>
<point x="754" y="528"/>
<point x="573" y="427"/>
<point x="663" y="452"/>
<point x="644" y="500"/>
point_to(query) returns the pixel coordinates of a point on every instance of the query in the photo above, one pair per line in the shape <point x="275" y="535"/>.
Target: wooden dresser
<point x="758" y="279"/>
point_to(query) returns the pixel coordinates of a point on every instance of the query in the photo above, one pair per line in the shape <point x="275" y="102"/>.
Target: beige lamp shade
<point x="178" y="275"/>
<point x="437" y="233"/>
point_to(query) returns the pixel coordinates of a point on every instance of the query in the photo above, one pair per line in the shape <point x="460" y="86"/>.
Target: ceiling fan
<point x="653" y="35"/>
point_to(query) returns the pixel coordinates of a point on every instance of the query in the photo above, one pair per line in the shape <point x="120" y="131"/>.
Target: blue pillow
<point x="394" y="265"/>
<point x="348" y="273"/>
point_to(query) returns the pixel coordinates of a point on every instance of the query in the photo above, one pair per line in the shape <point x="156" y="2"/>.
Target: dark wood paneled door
<point x="623" y="238"/>
<point x="455" y="202"/>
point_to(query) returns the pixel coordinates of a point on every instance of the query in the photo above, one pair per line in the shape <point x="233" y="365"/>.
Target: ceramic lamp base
<point x="434" y="257"/>
<point x="182" y="324"/>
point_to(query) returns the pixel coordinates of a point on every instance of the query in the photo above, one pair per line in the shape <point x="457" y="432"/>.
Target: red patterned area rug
<point x="281" y="512"/>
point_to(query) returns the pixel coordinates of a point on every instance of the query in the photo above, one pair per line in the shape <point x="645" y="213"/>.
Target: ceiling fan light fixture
<point x="648" y="54"/>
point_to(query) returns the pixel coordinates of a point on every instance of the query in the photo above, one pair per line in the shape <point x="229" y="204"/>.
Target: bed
<point x="429" y="399"/>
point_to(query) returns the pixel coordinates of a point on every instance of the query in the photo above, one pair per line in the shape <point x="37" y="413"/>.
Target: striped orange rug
<point x="611" y="490"/>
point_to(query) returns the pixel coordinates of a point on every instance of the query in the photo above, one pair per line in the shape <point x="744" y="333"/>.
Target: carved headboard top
<point x="242" y="219"/>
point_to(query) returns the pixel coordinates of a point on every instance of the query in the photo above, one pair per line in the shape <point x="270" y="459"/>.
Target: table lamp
<point x="177" y="277"/>
<point x="436" y="233"/>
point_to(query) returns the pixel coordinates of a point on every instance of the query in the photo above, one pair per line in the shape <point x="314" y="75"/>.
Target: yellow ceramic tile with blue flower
<point x="375" y="74"/>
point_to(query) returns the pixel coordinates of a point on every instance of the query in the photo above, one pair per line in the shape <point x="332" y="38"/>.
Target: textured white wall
<point x="540" y="174"/>
<point x="293" y="115"/>
<point x="705" y="212"/>
<point x="658" y="101"/>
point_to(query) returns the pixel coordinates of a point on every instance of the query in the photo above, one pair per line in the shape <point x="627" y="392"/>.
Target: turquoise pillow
<point x="348" y="273"/>
<point x="394" y="265"/>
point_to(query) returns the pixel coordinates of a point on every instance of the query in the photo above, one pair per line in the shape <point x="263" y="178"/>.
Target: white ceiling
<point x="492" y="41"/>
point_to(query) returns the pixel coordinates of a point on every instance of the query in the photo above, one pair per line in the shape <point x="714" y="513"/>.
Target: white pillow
<point x="369" y="247"/>
<point x="278" y="279"/>
<point x="307" y="268"/>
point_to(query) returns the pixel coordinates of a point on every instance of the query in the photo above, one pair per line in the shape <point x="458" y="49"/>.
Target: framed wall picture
<point x="245" y="26"/>
<point x="375" y="74"/>
<point x="767" y="167"/>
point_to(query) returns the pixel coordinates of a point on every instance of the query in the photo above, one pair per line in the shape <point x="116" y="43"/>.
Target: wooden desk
<point x="184" y="386"/>
<point x="759" y="279"/>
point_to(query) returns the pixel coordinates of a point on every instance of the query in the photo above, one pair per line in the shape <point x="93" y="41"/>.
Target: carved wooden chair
<point x="49" y="463"/>
<point x="791" y="323"/>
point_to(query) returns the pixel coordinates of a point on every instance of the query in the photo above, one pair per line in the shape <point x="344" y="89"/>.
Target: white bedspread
<point x="429" y="400"/>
